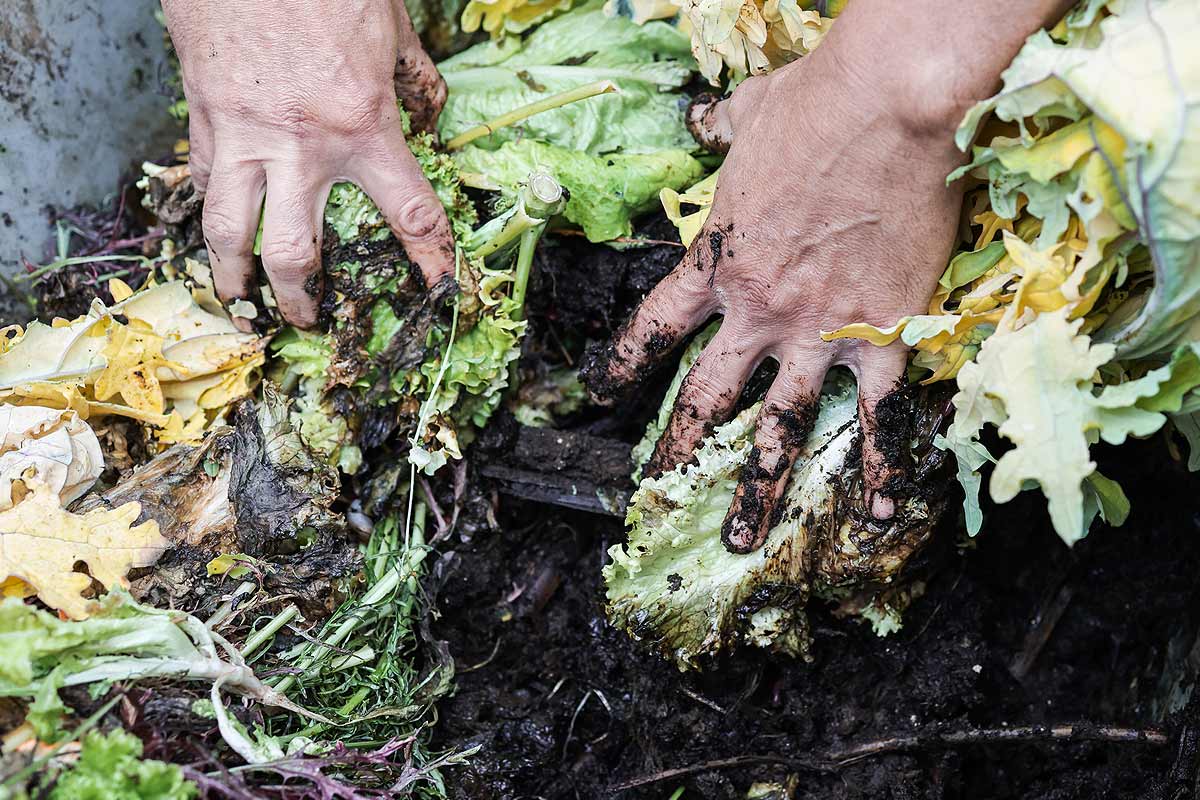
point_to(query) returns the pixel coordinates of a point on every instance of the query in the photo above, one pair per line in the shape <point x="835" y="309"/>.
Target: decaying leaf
<point x="253" y="488"/>
<point x="152" y="356"/>
<point x="54" y="445"/>
<point x="40" y="543"/>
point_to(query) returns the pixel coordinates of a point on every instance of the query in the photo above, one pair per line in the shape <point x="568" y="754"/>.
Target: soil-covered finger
<point x="392" y="178"/>
<point x="291" y="246"/>
<point x="885" y="419"/>
<point x="232" y="206"/>
<point x="783" y="426"/>
<point x="673" y="309"/>
<point x="707" y="398"/>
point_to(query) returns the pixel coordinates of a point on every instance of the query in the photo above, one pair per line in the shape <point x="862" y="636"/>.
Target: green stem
<point x="268" y="631"/>
<point x="69" y="262"/>
<point x="529" y="241"/>
<point x="222" y="613"/>
<point x="404" y="570"/>
<point x="526" y="111"/>
<point x="539" y="198"/>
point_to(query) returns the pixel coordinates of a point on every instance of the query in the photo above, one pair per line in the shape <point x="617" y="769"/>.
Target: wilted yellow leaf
<point x="133" y="356"/>
<point x="40" y="543"/>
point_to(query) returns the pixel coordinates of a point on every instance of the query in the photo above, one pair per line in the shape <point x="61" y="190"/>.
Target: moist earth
<point x="566" y="707"/>
<point x="1013" y="629"/>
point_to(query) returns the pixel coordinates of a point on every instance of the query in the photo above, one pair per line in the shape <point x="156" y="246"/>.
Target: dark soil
<point x="563" y="706"/>
<point x="566" y="707"/>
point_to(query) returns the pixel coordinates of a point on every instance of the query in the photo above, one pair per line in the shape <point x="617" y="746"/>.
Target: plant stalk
<point x="526" y="111"/>
<point x="268" y="631"/>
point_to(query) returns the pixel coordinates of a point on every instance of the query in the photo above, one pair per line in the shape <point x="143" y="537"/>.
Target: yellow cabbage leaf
<point x="40" y="543"/>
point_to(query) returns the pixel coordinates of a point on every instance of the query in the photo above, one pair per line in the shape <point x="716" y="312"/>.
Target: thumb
<point x="712" y="121"/>
<point x="710" y="124"/>
<point x="417" y="82"/>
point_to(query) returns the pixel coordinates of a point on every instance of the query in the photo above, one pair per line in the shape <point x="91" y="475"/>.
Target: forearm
<point x="934" y="58"/>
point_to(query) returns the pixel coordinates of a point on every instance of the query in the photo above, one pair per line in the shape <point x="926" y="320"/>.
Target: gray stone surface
<point x="82" y="101"/>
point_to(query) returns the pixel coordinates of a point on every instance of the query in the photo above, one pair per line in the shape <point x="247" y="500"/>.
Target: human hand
<point x="286" y="98"/>
<point x="832" y="208"/>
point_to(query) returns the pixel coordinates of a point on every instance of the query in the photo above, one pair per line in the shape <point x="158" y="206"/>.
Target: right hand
<point x="286" y="98"/>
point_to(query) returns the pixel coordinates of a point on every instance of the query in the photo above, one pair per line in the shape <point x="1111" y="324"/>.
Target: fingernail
<point x="882" y="506"/>
<point x="738" y="535"/>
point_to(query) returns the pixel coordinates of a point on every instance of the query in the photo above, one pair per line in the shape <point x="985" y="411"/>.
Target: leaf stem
<point x="526" y="111"/>
<point x="268" y="631"/>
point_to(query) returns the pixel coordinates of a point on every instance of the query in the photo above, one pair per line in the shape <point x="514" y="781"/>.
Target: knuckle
<point x="704" y="392"/>
<point x="222" y="230"/>
<point x="422" y="218"/>
<point x="290" y="258"/>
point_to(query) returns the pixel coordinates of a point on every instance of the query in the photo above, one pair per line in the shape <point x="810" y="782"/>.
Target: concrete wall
<point x="82" y="101"/>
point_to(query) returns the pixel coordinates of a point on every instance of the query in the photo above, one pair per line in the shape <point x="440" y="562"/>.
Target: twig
<point x="720" y="763"/>
<point x="1040" y="630"/>
<point x="1065" y="732"/>
<point x="702" y="700"/>
<point x="834" y="760"/>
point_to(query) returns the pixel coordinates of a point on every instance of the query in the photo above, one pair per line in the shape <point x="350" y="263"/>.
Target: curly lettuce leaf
<point x="1038" y="386"/>
<point x="111" y="766"/>
<point x="607" y="192"/>
<point x="306" y="356"/>
<point x="1138" y="70"/>
<point x="674" y="583"/>
<point x="648" y="63"/>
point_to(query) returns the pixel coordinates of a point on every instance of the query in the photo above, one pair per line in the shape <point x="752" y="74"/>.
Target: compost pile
<point x="244" y="560"/>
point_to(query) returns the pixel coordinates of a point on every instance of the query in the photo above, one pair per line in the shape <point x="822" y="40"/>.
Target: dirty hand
<point x="287" y="97"/>
<point x="832" y="208"/>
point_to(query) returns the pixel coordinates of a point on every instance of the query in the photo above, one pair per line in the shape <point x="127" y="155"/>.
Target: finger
<point x="786" y="419"/>
<point x="291" y="243"/>
<point x="393" y="179"/>
<point x="673" y="309"/>
<point x="713" y="121"/>
<point x="232" y="206"/>
<point x="418" y="83"/>
<point x="200" y="148"/>
<point x="880" y="373"/>
<point x="707" y="398"/>
<point x="710" y="124"/>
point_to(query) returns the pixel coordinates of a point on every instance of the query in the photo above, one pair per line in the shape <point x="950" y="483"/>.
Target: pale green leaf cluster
<point x="648" y="63"/>
<point x="1138" y="70"/>
<point x="110" y="767"/>
<point x="1091" y="334"/>
<point x="1039" y="386"/>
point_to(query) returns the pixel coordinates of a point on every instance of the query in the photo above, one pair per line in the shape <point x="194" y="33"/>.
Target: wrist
<point x="926" y="62"/>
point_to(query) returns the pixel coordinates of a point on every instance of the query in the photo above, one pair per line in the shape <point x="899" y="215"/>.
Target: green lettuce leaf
<point x="607" y="192"/>
<point x="111" y="767"/>
<point x="647" y="63"/>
